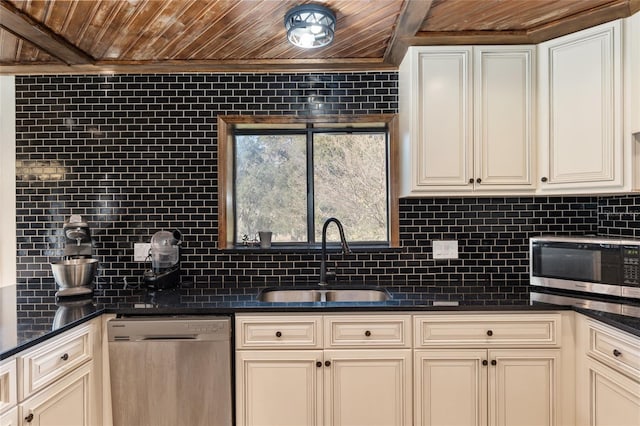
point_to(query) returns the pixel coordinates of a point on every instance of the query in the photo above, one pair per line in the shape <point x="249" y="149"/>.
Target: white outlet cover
<point x="445" y="249"/>
<point x="141" y="251"/>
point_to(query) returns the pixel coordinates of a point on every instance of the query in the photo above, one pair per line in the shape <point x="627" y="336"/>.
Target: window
<point x="288" y="175"/>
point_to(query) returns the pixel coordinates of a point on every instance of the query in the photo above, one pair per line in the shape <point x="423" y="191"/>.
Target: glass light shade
<point x="310" y="26"/>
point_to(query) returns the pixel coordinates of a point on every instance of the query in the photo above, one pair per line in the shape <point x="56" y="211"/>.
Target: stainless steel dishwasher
<point x="170" y="371"/>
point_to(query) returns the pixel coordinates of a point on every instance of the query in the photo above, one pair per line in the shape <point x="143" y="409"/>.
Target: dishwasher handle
<point x="151" y="338"/>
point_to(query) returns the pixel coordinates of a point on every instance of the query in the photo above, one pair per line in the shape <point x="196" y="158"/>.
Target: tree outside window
<point x="291" y="183"/>
<point x="288" y="174"/>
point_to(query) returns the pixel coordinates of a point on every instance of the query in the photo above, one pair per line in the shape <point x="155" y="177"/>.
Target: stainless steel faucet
<point x="343" y="242"/>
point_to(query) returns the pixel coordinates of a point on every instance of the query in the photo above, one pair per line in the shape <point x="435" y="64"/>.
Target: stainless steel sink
<point x="353" y="294"/>
<point x="357" y="295"/>
<point x="289" y="295"/>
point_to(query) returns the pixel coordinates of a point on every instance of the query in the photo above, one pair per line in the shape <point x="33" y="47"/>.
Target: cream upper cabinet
<point x="581" y="144"/>
<point x="503" y="117"/>
<point x="467" y="120"/>
<point x="607" y="376"/>
<point x="436" y="119"/>
<point x="632" y="71"/>
<point x="319" y="370"/>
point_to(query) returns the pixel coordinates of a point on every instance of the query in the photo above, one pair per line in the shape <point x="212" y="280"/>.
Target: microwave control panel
<point x="631" y="260"/>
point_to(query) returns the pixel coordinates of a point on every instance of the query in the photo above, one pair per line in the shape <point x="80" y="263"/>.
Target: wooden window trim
<point x="226" y="126"/>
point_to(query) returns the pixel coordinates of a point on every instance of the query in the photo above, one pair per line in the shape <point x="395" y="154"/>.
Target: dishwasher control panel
<point x="131" y="329"/>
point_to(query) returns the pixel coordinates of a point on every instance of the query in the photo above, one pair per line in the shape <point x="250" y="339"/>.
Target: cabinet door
<point x="8" y="385"/>
<point x="523" y="387"/>
<point x="443" y="155"/>
<point x="279" y="388"/>
<point x="66" y="402"/>
<point x="10" y="418"/>
<point x="368" y="387"/>
<point x="614" y="399"/>
<point x="632" y="59"/>
<point x="450" y="387"/>
<point x="503" y="117"/>
<point x="581" y="110"/>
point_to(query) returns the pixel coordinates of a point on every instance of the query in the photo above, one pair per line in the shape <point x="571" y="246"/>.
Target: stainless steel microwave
<point x="587" y="264"/>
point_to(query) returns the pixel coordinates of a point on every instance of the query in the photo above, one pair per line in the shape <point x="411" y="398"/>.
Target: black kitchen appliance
<point x="165" y="261"/>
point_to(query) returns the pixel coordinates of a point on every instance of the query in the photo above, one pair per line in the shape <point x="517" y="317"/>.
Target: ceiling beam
<point x="634" y="6"/>
<point x="410" y="19"/>
<point x="26" y="28"/>
<point x="586" y="19"/>
<point x="180" y="66"/>
<point x="580" y="21"/>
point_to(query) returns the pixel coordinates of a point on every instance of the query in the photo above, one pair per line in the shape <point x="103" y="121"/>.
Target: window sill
<point x="365" y="248"/>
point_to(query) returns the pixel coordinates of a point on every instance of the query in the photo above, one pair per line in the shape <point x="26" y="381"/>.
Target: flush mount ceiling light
<point x="310" y="26"/>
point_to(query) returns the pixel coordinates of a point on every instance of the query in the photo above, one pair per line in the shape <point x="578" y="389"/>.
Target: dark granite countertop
<point x="67" y="313"/>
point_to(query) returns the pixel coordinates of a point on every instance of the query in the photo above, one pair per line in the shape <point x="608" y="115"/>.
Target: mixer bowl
<point x="74" y="272"/>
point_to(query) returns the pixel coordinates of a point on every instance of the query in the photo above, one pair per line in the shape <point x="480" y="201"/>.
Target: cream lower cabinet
<point x="9" y="418"/>
<point x="279" y="387"/>
<point x="608" y="375"/>
<point x="487" y="369"/>
<point x="323" y="370"/>
<point x="368" y="387"/>
<point x="613" y="398"/>
<point x="479" y="387"/>
<point x="8" y="393"/>
<point x="65" y="403"/>
<point x="60" y="379"/>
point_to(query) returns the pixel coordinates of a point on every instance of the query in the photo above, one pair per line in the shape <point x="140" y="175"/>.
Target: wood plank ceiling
<point x="81" y="36"/>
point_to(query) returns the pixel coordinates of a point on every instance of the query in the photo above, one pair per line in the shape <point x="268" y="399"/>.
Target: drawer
<point x="55" y="358"/>
<point x="480" y="330"/>
<point x="8" y="384"/>
<point x="371" y="331"/>
<point x="277" y="332"/>
<point x="615" y="349"/>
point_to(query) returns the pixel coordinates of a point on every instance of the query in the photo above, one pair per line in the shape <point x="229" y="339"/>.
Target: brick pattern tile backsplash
<point x="619" y="216"/>
<point x="134" y="154"/>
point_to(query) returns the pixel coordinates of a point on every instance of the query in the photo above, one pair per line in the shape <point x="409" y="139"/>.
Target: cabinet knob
<point x="478" y="180"/>
<point x="616" y="353"/>
<point x="485" y="362"/>
<point x="489" y="332"/>
<point x="318" y="364"/>
<point x="327" y="363"/>
<point x="29" y="418"/>
<point x="543" y="179"/>
<point x="367" y="333"/>
<point x="64" y="357"/>
<point x="494" y="362"/>
<point x="471" y="180"/>
<point x="278" y="334"/>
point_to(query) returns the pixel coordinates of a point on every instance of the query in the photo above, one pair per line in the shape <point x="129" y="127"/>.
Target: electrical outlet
<point x="141" y="251"/>
<point x="445" y="249"/>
